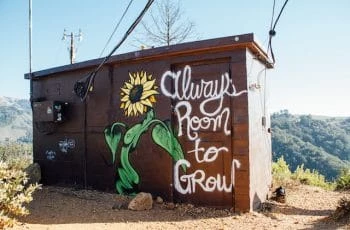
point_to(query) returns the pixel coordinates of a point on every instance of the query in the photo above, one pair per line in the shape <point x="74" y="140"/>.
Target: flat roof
<point x="223" y="43"/>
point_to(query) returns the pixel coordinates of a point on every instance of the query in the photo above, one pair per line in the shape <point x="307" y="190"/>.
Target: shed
<point x="186" y="122"/>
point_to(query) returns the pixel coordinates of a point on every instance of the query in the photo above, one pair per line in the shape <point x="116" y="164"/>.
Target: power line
<point x="84" y="85"/>
<point x="272" y="31"/>
<point x="116" y="27"/>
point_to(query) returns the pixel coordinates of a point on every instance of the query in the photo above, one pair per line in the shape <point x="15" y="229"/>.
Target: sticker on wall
<point x="138" y="98"/>
<point x="50" y="155"/>
<point x="66" y="145"/>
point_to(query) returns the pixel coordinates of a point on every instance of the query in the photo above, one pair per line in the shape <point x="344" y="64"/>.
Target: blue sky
<point x="311" y="45"/>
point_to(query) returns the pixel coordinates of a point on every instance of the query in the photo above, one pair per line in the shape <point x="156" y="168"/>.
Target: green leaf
<point x="112" y="136"/>
<point x="128" y="177"/>
<point x="162" y="136"/>
<point x="132" y="136"/>
<point x="132" y="133"/>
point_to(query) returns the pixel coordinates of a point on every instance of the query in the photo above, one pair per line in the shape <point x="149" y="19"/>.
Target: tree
<point x="166" y="25"/>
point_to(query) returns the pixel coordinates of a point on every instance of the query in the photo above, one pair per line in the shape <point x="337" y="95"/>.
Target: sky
<point x="311" y="45"/>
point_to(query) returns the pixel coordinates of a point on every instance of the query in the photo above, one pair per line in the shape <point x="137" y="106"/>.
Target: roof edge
<point x="243" y="40"/>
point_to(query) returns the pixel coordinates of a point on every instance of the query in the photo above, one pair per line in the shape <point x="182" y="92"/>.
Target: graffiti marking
<point x="50" y="155"/>
<point x="195" y="123"/>
<point x="198" y="178"/>
<point x="209" y="155"/>
<point x="66" y="144"/>
<point x="185" y="89"/>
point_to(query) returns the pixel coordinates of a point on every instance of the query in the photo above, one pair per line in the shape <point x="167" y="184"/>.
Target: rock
<point x="142" y="201"/>
<point x="159" y="200"/>
<point x="170" y="206"/>
<point x="34" y="173"/>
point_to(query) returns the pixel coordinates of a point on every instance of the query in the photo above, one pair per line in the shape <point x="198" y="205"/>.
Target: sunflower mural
<point x="137" y="98"/>
<point x="138" y="95"/>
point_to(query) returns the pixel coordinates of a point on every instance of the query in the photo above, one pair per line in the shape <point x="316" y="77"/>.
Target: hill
<point x="15" y="120"/>
<point x="320" y="143"/>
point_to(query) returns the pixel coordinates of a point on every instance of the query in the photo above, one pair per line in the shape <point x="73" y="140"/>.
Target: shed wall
<point x="260" y="152"/>
<point x="183" y="127"/>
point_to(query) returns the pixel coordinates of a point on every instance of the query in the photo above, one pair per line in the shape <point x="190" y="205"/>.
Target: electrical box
<point x="49" y="111"/>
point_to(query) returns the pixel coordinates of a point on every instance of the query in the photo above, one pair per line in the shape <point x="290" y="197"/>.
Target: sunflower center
<point x="136" y="93"/>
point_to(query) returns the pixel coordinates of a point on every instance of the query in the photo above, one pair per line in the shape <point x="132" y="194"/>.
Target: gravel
<point x="306" y="207"/>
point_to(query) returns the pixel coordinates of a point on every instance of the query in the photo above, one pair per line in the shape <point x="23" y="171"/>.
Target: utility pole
<point x="72" y="49"/>
<point x="30" y="51"/>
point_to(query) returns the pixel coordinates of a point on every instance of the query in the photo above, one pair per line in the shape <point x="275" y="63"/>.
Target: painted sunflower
<point x="137" y="95"/>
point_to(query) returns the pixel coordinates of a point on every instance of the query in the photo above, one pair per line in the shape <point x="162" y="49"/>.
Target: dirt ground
<point x="65" y="208"/>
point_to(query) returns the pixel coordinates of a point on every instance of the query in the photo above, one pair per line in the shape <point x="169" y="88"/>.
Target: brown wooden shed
<point x="186" y="122"/>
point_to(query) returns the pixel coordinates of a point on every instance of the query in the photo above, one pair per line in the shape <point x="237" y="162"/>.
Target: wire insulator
<point x="272" y="32"/>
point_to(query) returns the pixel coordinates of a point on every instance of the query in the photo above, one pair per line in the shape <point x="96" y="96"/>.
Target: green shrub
<point x="13" y="151"/>
<point x="311" y="177"/>
<point x="13" y="193"/>
<point x="343" y="181"/>
<point x="280" y="172"/>
<point x="282" y="176"/>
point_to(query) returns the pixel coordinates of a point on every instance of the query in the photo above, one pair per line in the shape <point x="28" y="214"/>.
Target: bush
<point x="10" y="151"/>
<point x="282" y="176"/>
<point x="280" y="172"/>
<point x="343" y="181"/>
<point x="308" y="177"/>
<point x="13" y="193"/>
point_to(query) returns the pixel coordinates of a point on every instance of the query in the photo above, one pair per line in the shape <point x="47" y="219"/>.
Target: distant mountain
<point x="15" y="120"/>
<point x="320" y="143"/>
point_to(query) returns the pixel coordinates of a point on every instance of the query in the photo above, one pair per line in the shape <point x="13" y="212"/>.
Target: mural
<point x="138" y="98"/>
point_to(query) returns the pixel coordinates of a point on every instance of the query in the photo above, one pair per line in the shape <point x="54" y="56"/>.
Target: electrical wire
<point x="273" y="14"/>
<point x="272" y="31"/>
<point x="115" y="28"/>
<point x="84" y="85"/>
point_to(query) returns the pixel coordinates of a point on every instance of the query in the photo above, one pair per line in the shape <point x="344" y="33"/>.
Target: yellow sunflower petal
<point x="137" y="79"/>
<point x="148" y="93"/>
<point x="128" y="85"/>
<point x="122" y="105"/>
<point x="131" y="79"/>
<point x="145" y="109"/>
<point x="146" y="102"/>
<point x="143" y="78"/>
<point x="148" y="85"/>
<point x="125" y="98"/>
<point x="129" y="110"/>
<point x="127" y="104"/>
<point x="152" y="99"/>
<point x="126" y="91"/>
<point x="134" y="109"/>
<point x="150" y="77"/>
<point x="139" y="107"/>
